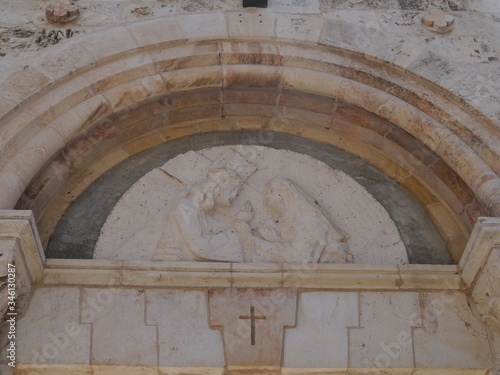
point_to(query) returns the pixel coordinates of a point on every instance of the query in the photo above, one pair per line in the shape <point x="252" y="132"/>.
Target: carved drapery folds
<point x="294" y="228"/>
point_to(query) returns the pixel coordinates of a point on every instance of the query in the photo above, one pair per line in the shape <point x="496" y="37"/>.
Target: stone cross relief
<point x="252" y="318"/>
<point x="254" y="340"/>
<point x="292" y="228"/>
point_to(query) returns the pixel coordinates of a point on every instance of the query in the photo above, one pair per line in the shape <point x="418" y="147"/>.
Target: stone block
<point x="81" y="117"/>
<point x="153" y="32"/>
<point x="133" y="94"/>
<point x="320" y="338"/>
<point x="268" y="96"/>
<point x="185" y="338"/>
<point x="253" y="321"/>
<point x="355" y="37"/>
<point x="194" y="78"/>
<point x="121" y="71"/>
<point x="51" y="331"/>
<point x="199" y="26"/>
<point x="109" y="160"/>
<point x="119" y="41"/>
<point x="316" y="83"/>
<point x="300" y="6"/>
<point x="68" y="59"/>
<point x="418" y="189"/>
<point x="245" y="109"/>
<point x="446" y="223"/>
<point x="187" y="99"/>
<point x="120" y="335"/>
<point x="143" y="143"/>
<point x="299" y="27"/>
<point x="385" y="340"/>
<point x="53" y="369"/>
<point x="186" y="56"/>
<point x="251" y="76"/>
<point x="23" y="83"/>
<point x="434" y="347"/>
<point x="251" y="24"/>
<point x="313" y="103"/>
<point x="192" y="371"/>
<point x="124" y="370"/>
<point x="198" y="113"/>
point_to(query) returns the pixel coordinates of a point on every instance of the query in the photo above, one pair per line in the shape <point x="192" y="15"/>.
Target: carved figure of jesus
<point x="189" y="218"/>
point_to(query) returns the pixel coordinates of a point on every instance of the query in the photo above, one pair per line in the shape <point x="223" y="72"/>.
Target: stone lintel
<point x="45" y="369"/>
<point x="244" y="275"/>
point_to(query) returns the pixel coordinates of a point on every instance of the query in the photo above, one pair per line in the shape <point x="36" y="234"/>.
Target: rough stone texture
<point x="468" y="347"/>
<point x="117" y="316"/>
<point x="393" y="348"/>
<point x="110" y="188"/>
<point x="185" y="338"/>
<point x="394" y="18"/>
<point x="51" y="331"/>
<point x="325" y="318"/>
<point x="35" y="54"/>
<point x="329" y="325"/>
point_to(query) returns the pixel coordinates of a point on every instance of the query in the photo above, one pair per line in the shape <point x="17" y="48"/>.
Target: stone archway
<point x="89" y="105"/>
<point x="139" y="94"/>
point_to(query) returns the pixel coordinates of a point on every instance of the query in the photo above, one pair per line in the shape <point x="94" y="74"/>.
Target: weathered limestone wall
<point x="460" y="187"/>
<point x="98" y="317"/>
<point x="439" y="77"/>
<point x="89" y="328"/>
<point x="466" y="61"/>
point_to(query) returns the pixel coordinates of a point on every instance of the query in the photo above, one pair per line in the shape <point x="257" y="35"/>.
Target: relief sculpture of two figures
<point x="292" y="227"/>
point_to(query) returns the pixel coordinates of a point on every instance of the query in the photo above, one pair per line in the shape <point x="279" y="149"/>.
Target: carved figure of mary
<point x="294" y="229"/>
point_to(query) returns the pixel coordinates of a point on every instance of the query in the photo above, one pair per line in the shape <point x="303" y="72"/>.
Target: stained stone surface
<point x="140" y="219"/>
<point x="465" y="62"/>
<point x="185" y="338"/>
<point x="117" y="316"/>
<point x="375" y="347"/>
<point x="183" y="330"/>
<point x="51" y="331"/>
<point x="442" y="313"/>
<point x="79" y="229"/>
<point x="253" y="323"/>
<point x="322" y="318"/>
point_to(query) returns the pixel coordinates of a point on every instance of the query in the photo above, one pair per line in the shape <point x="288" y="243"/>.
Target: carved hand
<point x="246" y="213"/>
<point x="242" y="229"/>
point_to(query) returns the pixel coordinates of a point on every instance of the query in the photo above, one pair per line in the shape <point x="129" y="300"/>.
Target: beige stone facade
<point x="407" y="103"/>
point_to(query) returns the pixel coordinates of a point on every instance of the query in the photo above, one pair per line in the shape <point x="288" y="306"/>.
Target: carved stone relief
<point x="292" y="229"/>
<point x="249" y="204"/>
<point x="252" y="324"/>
